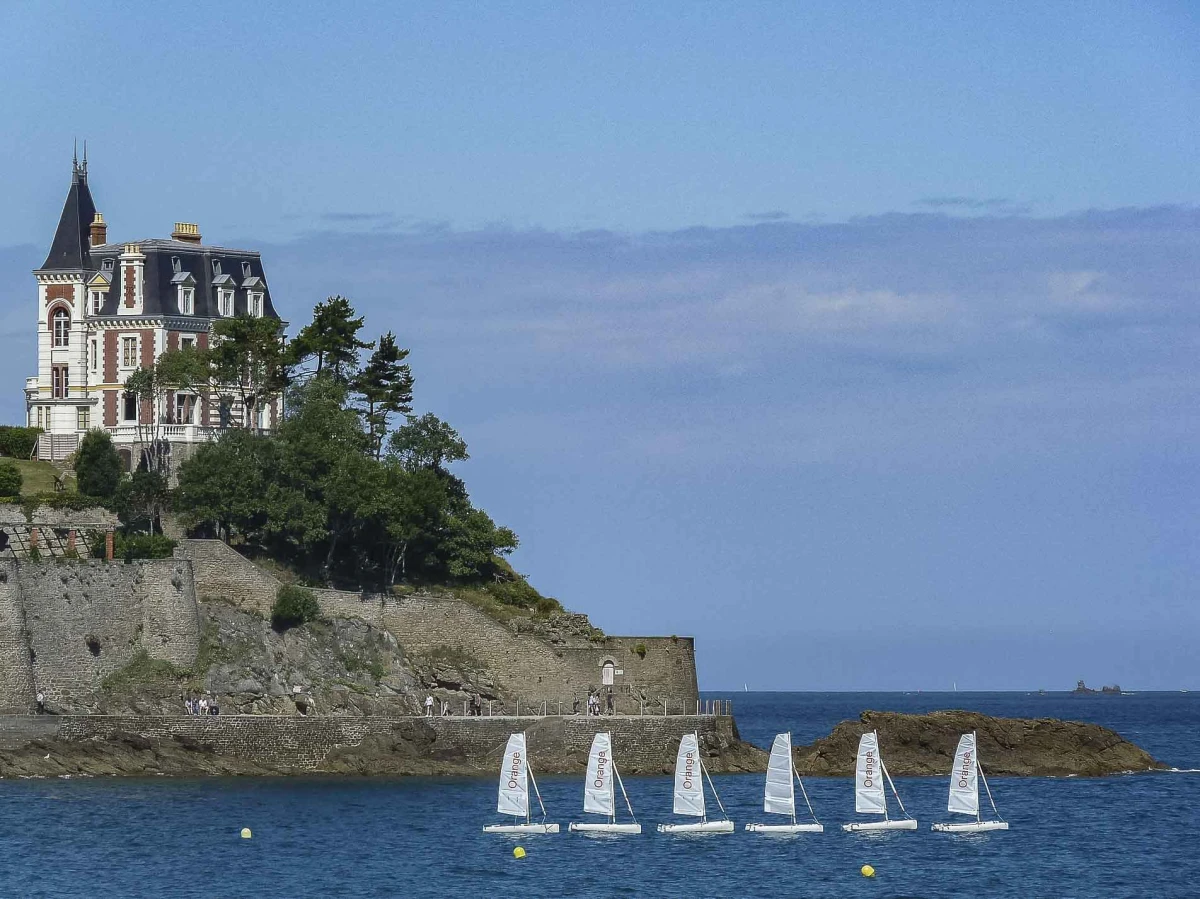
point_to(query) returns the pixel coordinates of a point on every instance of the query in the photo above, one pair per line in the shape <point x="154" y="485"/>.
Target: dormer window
<point x="216" y="264"/>
<point x="97" y="302"/>
<point x="225" y="303"/>
<point x="245" y="269"/>
<point x="256" y="304"/>
<point x="187" y="301"/>
<point x="61" y="325"/>
<point x="176" y="265"/>
<point x="106" y="266"/>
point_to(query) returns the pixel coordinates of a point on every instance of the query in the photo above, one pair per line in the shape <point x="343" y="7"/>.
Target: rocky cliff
<point x="924" y="745"/>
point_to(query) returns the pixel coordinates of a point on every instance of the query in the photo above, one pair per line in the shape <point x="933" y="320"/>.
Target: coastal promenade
<point x="313" y="744"/>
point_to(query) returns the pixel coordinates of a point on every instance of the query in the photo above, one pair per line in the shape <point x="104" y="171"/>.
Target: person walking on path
<point x="428" y="706"/>
<point x="41" y="701"/>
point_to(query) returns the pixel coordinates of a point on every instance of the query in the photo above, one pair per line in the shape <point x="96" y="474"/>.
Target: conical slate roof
<point x="70" y="250"/>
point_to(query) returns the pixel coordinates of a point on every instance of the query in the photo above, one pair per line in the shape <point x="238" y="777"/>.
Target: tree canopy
<point x="351" y="488"/>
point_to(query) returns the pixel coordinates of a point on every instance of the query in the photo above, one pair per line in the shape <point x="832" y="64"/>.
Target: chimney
<point x="187" y="232"/>
<point x="99" y="231"/>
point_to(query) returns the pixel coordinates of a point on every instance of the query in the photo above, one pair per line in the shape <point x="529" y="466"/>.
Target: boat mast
<point x="804" y="793"/>
<point x="983" y="777"/>
<point x="716" y="796"/>
<point x="899" y="801"/>
<point x="536" y="791"/>
<point x="628" y="805"/>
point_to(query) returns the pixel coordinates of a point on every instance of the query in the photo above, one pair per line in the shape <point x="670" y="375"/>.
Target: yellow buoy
<point x="518" y="852"/>
<point x="246" y="834"/>
<point x="868" y="871"/>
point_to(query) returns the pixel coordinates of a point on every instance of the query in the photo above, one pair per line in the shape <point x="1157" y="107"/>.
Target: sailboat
<point x="598" y="795"/>
<point x="690" y="774"/>
<point x="964" y="791"/>
<point x="779" y="794"/>
<point x="869" y="795"/>
<point x="515" y="778"/>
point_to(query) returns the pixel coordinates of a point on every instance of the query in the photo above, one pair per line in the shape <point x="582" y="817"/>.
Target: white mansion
<point x="104" y="309"/>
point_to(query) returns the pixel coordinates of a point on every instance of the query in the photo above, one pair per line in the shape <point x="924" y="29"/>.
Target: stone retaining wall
<point x="297" y="744"/>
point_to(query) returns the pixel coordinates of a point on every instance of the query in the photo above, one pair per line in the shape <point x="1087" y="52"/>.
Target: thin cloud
<point x="995" y="205"/>
<point x="775" y="215"/>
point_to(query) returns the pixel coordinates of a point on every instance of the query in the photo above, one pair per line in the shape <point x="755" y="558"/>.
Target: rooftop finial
<point x="75" y="160"/>
<point x="84" y="160"/>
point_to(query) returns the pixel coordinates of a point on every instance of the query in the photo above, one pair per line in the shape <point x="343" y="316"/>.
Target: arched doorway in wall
<point x="126" y="459"/>
<point x="607" y="672"/>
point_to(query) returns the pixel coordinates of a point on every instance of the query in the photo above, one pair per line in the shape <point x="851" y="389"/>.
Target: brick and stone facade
<point x="104" y="309"/>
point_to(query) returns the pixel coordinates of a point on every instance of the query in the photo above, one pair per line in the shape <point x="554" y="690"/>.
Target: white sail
<point x="514" y="779"/>
<point x="689" y="781"/>
<point x="869" y="797"/>
<point x="964" y="778"/>
<point x="598" y="789"/>
<point x="779" y="797"/>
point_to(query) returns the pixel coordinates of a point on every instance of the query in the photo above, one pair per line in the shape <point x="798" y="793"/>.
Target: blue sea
<point x="1135" y="835"/>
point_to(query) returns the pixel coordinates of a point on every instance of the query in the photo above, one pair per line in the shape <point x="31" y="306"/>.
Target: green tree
<point x="471" y="544"/>
<point x="226" y="484"/>
<point x="385" y="385"/>
<point x="330" y="340"/>
<point x="98" y="468"/>
<point x="184" y="369"/>
<point x="10" y="479"/>
<point x="427" y="442"/>
<point x="140" y="500"/>
<point x="248" y="359"/>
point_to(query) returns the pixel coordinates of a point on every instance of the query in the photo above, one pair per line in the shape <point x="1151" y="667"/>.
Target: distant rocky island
<point x="1023" y="747"/>
<point x="1083" y="689"/>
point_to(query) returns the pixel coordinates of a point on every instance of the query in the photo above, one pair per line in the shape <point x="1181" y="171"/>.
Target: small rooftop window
<point x="106" y="265"/>
<point x="176" y="267"/>
<point x="245" y="269"/>
<point x="216" y="266"/>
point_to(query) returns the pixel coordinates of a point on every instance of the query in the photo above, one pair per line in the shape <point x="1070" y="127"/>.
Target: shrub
<point x="10" y="479"/>
<point x="135" y="546"/>
<point x="16" y="442"/>
<point x="639" y="650"/>
<point x="97" y="465"/>
<point x="294" y="606"/>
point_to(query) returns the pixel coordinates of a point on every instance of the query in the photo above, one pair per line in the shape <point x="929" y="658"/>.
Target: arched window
<point x="61" y="323"/>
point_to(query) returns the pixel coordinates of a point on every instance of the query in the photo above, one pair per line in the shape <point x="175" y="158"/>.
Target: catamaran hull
<point x="699" y="827"/>
<point x="971" y="827"/>
<point x="521" y="828"/>
<point x="605" y="828"/>
<point x="867" y="826"/>
<point x="785" y="828"/>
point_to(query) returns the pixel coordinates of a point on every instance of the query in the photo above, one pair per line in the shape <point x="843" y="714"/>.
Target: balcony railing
<point x="131" y="433"/>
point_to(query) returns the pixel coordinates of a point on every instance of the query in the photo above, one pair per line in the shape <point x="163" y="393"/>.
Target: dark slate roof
<point x="161" y="282"/>
<point x="69" y="252"/>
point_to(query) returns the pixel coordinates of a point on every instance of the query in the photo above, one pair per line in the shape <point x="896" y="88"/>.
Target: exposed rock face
<point x="924" y="745"/>
<point x="343" y="666"/>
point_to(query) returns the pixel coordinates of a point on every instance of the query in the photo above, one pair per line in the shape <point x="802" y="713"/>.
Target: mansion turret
<point x="106" y="308"/>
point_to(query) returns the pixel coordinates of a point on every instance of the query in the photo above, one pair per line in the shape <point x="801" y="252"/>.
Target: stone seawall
<point x="647" y="673"/>
<point x="65" y="626"/>
<point x="296" y="745"/>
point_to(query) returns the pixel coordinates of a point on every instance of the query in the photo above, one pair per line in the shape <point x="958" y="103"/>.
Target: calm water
<point x="1123" y="836"/>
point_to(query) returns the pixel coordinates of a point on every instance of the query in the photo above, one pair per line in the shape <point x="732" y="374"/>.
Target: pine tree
<point x="386" y="387"/>
<point x="331" y="339"/>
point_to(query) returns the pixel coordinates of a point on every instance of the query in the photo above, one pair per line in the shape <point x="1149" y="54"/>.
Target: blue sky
<point x="858" y="341"/>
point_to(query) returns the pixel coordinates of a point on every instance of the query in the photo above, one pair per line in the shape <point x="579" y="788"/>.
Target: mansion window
<point x="39" y="417"/>
<point x="97" y="302"/>
<point x="187" y="343"/>
<point x="83" y="416"/>
<point x="225" y="303"/>
<point x="129" y="352"/>
<point x="62" y="327"/>
<point x="184" y="404"/>
<point x="256" y="304"/>
<point x="187" y="300"/>
<point x="129" y="407"/>
<point x="92" y="354"/>
<point x="58" y="382"/>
